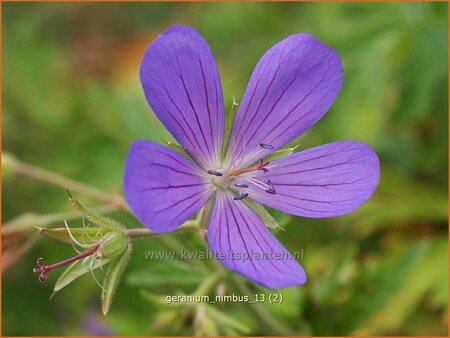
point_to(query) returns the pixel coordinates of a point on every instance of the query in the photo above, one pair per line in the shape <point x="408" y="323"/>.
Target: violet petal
<point x="162" y="187"/>
<point x="329" y="180"/>
<point x="292" y="87"/>
<point x="182" y="85"/>
<point x="242" y="242"/>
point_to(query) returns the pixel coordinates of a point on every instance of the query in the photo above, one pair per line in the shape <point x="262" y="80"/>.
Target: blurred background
<point x="72" y="105"/>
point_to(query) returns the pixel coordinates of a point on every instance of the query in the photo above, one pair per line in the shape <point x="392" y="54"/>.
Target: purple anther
<point x="240" y="197"/>
<point x="241" y="185"/>
<point x="271" y="189"/>
<point x="215" y="173"/>
<point x="266" y="146"/>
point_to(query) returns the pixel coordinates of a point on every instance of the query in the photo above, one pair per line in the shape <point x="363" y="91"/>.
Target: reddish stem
<point x="45" y="269"/>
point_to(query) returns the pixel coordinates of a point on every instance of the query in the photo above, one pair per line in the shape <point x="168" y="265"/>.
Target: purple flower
<point x="291" y="88"/>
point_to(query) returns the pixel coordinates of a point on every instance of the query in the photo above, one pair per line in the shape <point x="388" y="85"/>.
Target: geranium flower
<point x="291" y="88"/>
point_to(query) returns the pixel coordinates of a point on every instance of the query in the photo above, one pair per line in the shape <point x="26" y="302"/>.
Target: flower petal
<point x="329" y="180"/>
<point x="162" y="187"/>
<point x="292" y="87"/>
<point x="241" y="241"/>
<point x="182" y="85"/>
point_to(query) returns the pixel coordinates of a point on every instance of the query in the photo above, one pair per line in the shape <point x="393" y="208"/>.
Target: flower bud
<point x="112" y="245"/>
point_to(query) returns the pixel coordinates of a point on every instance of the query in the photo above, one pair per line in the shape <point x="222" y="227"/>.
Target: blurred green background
<point x="72" y="104"/>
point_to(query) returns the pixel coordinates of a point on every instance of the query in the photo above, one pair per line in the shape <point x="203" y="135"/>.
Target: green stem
<point x="12" y="163"/>
<point x="208" y="283"/>
<point x="266" y="319"/>
<point x="24" y="221"/>
<point x="140" y="233"/>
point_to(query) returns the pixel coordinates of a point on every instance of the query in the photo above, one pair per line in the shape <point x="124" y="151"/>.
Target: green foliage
<point x="76" y="270"/>
<point x="105" y="223"/>
<point x="85" y="235"/>
<point x="72" y="104"/>
<point x="112" y="278"/>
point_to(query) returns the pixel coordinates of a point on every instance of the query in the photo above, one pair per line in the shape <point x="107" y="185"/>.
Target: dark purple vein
<point x="209" y="111"/>
<point x="240" y="233"/>
<point x="257" y="242"/>
<point x="195" y="113"/>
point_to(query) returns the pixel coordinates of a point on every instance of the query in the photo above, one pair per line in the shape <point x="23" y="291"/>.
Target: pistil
<point x="261" y="166"/>
<point x="43" y="270"/>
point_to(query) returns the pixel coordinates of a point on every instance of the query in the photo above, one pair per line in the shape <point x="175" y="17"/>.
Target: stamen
<point x="73" y="238"/>
<point x="91" y="268"/>
<point x="257" y="183"/>
<point x="43" y="270"/>
<point x="215" y="173"/>
<point x="266" y="146"/>
<point x="240" y="197"/>
<point x="241" y="185"/>
<point x="271" y="189"/>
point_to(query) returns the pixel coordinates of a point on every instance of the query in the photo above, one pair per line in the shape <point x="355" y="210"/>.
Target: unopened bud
<point x="112" y="245"/>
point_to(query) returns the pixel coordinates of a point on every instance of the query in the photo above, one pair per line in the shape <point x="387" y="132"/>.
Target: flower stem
<point x="25" y="220"/>
<point x="145" y="233"/>
<point x="12" y="163"/>
<point x="208" y="284"/>
<point x="271" y="324"/>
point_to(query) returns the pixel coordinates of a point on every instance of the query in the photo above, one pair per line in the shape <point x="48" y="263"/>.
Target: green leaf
<point x="158" y="300"/>
<point x="225" y="319"/>
<point x="403" y="197"/>
<point x="113" y="245"/>
<point x="86" y="236"/>
<point x="76" y="270"/>
<point x="168" y="319"/>
<point x="373" y="293"/>
<point x="159" y="276"/>
<point x="416" y="285"/>
<point x="112" y="279"/>
<point x="228" y="127"/>
<point x="269" y="221"/>
<point x="206" y="212"/>
<point x="177" y="148"/>
<point x="102" y="221"/>
<point x="281" y="153"/>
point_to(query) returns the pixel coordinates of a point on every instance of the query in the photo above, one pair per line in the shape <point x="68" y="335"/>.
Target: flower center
<point x="226" y="179"/>
<point x="223" y="182"/>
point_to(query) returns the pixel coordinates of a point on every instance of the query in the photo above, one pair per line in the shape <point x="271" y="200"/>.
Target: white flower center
<point x="228" y="180"/>
<point x="222" y="182"/>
